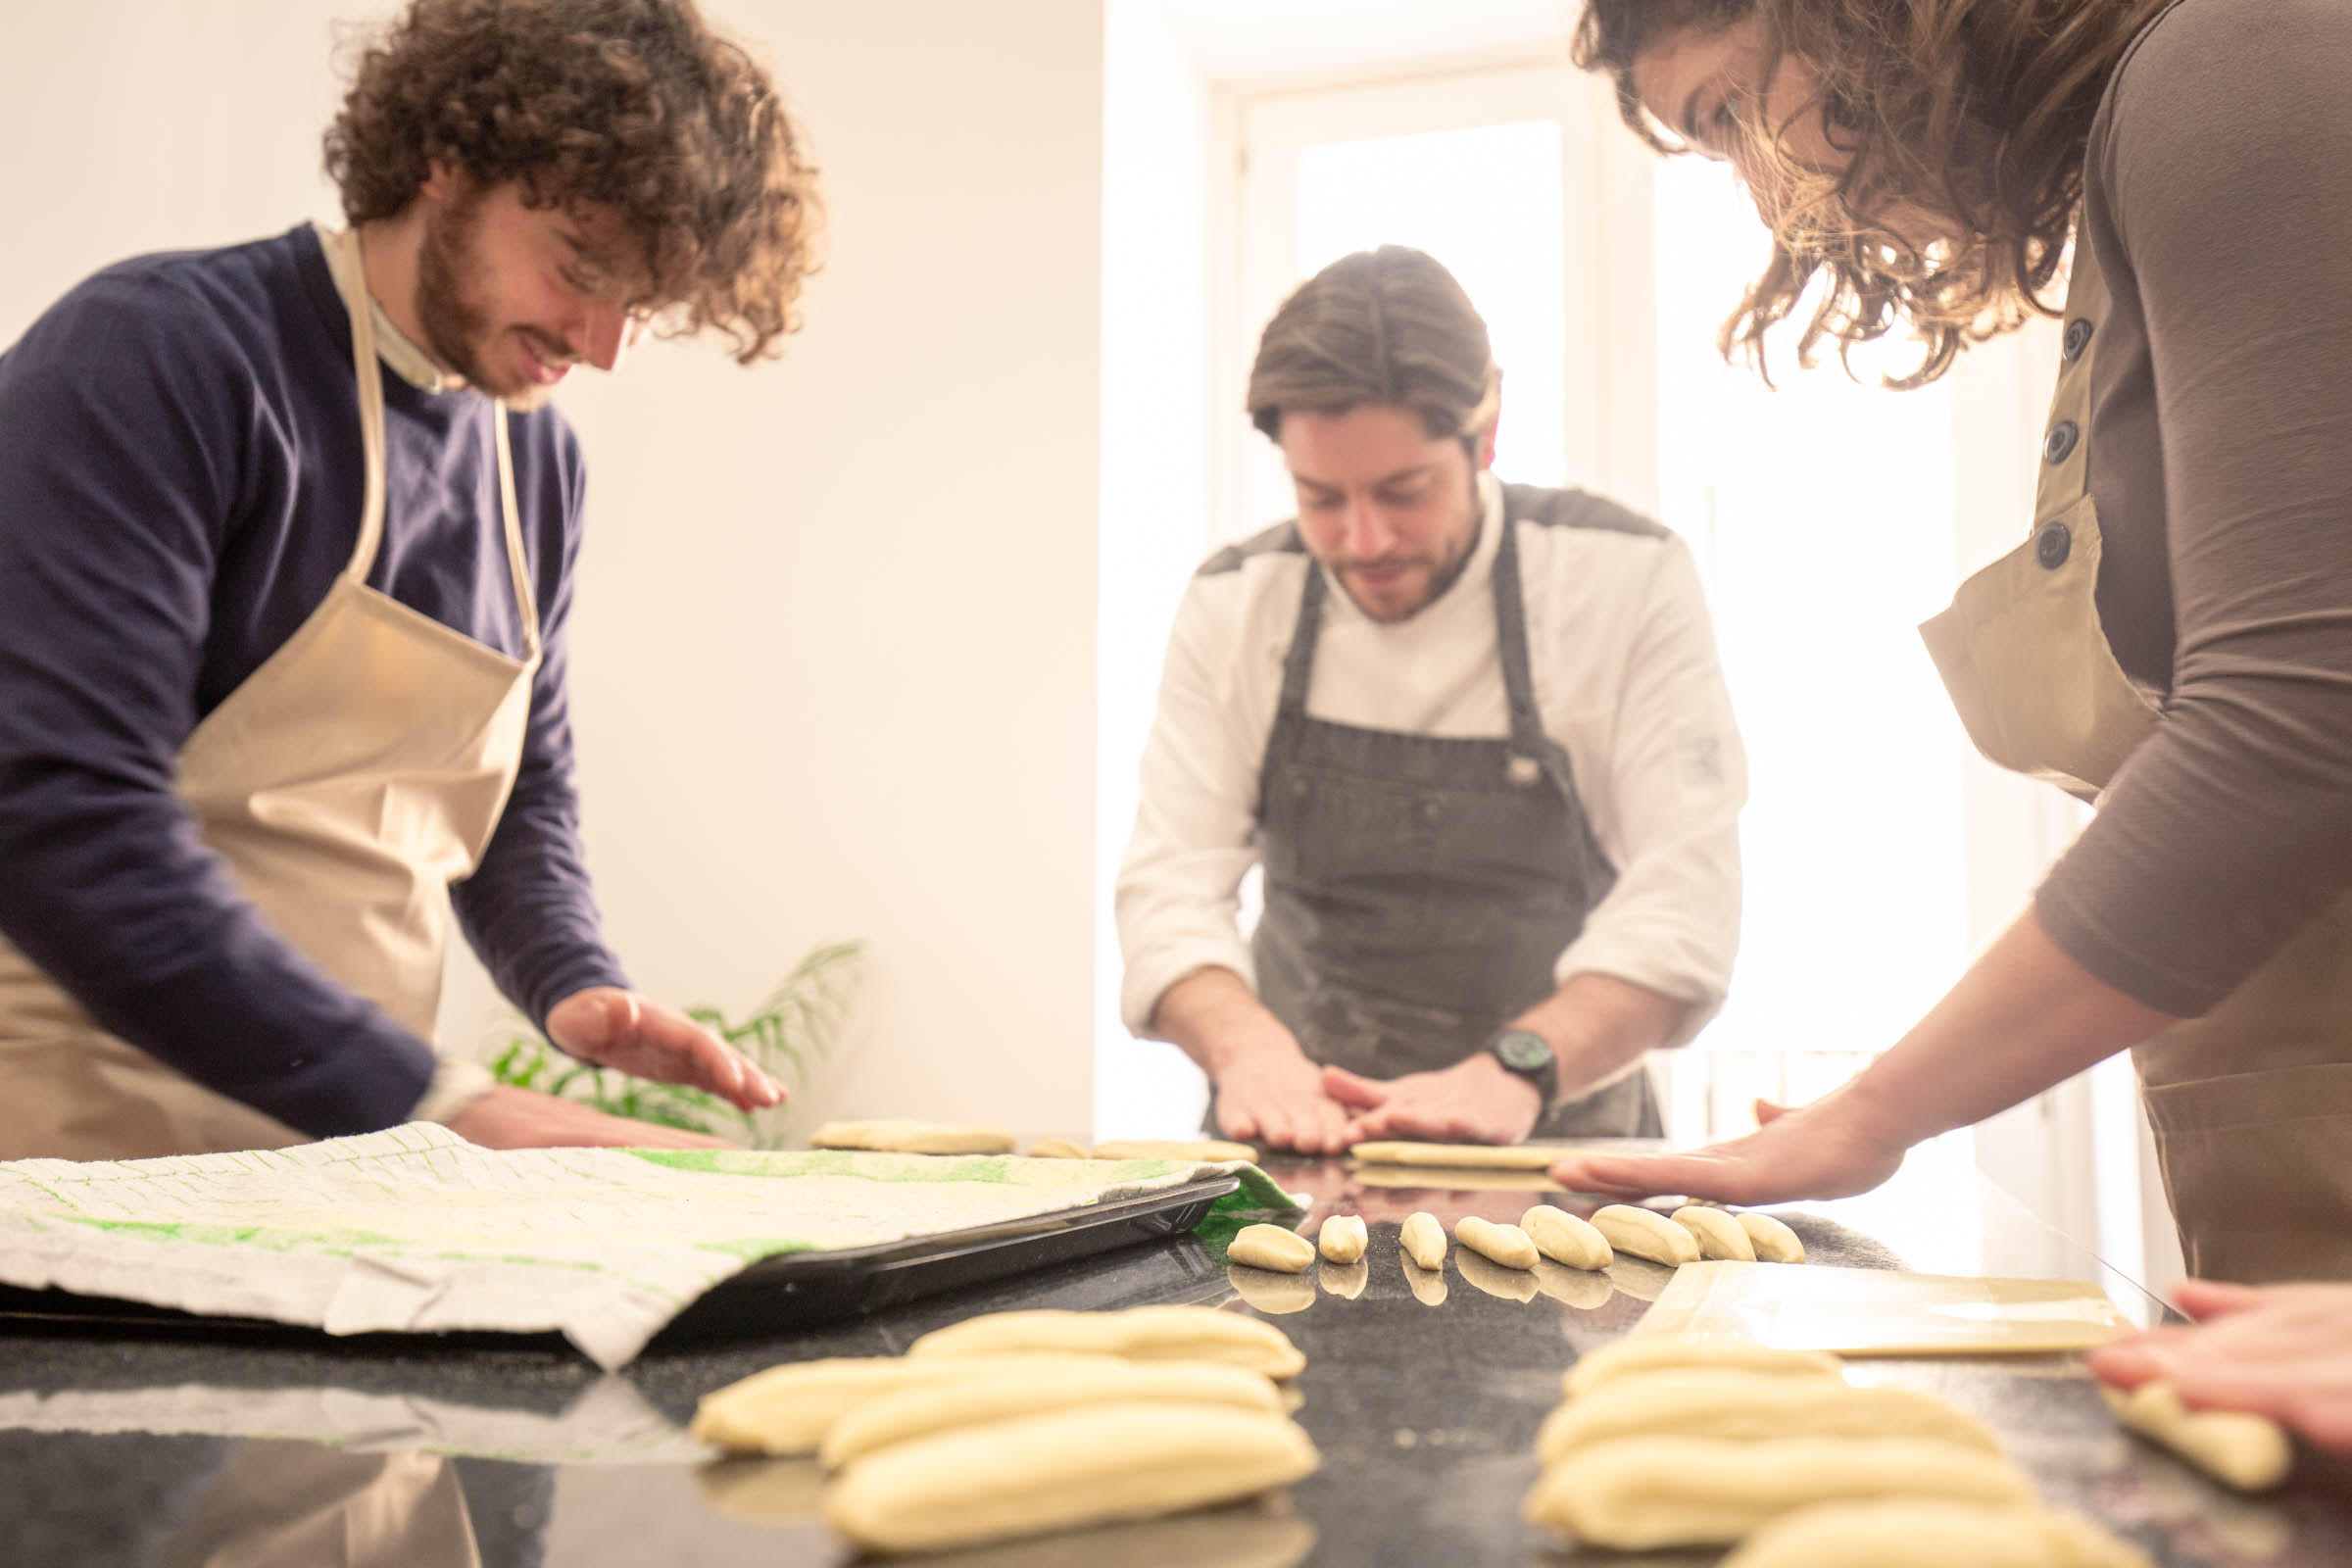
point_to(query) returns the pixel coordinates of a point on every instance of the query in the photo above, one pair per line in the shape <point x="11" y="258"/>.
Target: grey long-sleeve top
<point x="2219" y="203"/>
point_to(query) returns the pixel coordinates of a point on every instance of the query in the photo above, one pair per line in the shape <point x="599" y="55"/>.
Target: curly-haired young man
<point x="285" y="561"/>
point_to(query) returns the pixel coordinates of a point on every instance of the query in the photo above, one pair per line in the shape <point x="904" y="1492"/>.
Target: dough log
<point x="995" y="1395"/>
<point x="788" y="1409"/>
<point x="1506" y="1245"/>
<point x="1056" y="1471"/>
<point x="1659" y="1353"/>
<point x="1423" y="1240"/>
<point x="1343" y="1238"/>
<point x="1055" y="1148"/>
<point x="1774" y="1241"/>
<point x="1272" y="1247"/>
<point x="1456" y="1156"/>
<point x="1138" y="1332"/>
<point x="1566" y="1239"/>
<point x="2250" y="1452"/>
<point x="1920" y="1532"/>
<point x="1646" y="1233"/>
<point x="1204" y="1152"/>
<point x="1638" y="1493"/>
<point x="1717" y="1231"/>
<point x="912" y="1138"/>
<point x="1752" y="1405"/>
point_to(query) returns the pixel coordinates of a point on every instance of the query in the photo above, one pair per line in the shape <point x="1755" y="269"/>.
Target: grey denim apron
<point x="1419" y="888"/>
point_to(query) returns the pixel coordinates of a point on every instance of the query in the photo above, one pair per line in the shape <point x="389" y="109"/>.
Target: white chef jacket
<point x="1625" y="680"/>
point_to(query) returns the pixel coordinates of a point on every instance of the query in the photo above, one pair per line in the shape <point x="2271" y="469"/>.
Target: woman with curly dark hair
<point x="2174" y="639"/>
<point x="286" y="552"/>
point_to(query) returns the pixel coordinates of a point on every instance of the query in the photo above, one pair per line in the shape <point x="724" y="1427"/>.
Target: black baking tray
<point x="792" y="1291"/>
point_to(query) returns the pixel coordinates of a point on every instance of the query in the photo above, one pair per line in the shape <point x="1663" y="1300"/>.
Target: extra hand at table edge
<point x="508" y="1117"/>
<point x="1830" y="1148"/>
<point x="2279" y="1350"/>
<point x="622" y="1030"/>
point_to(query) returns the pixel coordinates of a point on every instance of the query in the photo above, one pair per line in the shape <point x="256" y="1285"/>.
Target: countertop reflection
<point x="1423" y="1388"/>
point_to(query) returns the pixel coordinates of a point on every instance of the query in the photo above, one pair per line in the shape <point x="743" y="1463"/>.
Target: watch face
<point x="1523" y="1048"/>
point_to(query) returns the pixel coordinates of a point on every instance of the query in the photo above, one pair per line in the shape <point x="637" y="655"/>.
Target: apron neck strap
<point x="351" y="282"/>
<point x="2065" y="473"/>
<point x="1298" y="664"/>
<point x="345" y="263"/>
<point x="1510" y="642"/>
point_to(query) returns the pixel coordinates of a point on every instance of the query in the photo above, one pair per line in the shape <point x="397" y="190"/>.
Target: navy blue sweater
<point x="179" y="486"/>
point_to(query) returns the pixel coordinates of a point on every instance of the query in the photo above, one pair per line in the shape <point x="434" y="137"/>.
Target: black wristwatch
<point x="1525" y="1054"/>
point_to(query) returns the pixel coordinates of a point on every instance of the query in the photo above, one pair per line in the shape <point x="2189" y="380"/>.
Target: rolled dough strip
<point x="1702" y="1402"/>
<point x="788" y="1409"/>
<point x="1920" y="1532"/>
<point x="1640" y="1493"/>
<point x="1458" y="1156"/>
<point x="1204" y="1152"/>
<point x="1717" y="1231"/>
<point x="971" y="1401"/>
<point x="1660" y="1352"/>
<point x="1564" y="1237"/>
<point x="1423" y="1240"/>
<point x="2250" y="1452"/>
<point x="912" y="1138"/>
<point x="1271" y="1247"/>
<point x="1646" y="1233"/>
<point x="1506" y="1245"/>
<point x="1138" y="1332"/>
<point x="1774" y="1241"/>
<point x="1055" y="1148"/>
<point x="1343" y="1238"/>
<point x="1024" y="1477"/>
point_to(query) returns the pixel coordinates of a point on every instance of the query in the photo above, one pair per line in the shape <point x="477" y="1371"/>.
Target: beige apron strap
<point x="2065" y="476"/>
<point x="344" y="261"/>
<point x="526" y="599"/>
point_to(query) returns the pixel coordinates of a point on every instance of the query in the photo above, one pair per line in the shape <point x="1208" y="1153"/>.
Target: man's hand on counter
<point x="2277" y="1351"/>
<point x="1274" y="1095"/>
<point x="1826" y="1150"/>
<point x="622" y="1030"/>
<point x="507" y="1117"/>
<point x="1267" y="1091"/>
<point x="1474" y="1101"/>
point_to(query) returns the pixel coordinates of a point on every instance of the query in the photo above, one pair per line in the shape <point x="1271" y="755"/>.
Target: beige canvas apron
<point x="351" y="778"/>
<point x="2251" y="1104"/>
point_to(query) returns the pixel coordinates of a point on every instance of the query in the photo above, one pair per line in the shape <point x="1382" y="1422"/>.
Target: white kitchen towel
<point x="417" y="1230"/>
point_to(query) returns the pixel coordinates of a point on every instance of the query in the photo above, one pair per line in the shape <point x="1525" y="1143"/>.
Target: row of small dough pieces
<point x="1544" y="1231"/>
<point x="1668" y="1440"/>
<point x="903" y="1137"/>
<point x="1021" y="1423"/>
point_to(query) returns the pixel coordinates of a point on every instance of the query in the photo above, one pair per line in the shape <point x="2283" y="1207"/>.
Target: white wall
<point x="835" y="650"/>
<point x="1159" y="408"/>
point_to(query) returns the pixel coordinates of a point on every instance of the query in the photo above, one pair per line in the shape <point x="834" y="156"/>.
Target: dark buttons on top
<point x="2053" y="544"/>
<point x="2076" y="339"/>
<point x="2059" y="444"/>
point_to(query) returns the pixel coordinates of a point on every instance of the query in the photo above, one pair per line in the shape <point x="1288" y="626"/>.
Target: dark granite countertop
<point x="124" y="1447"/>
